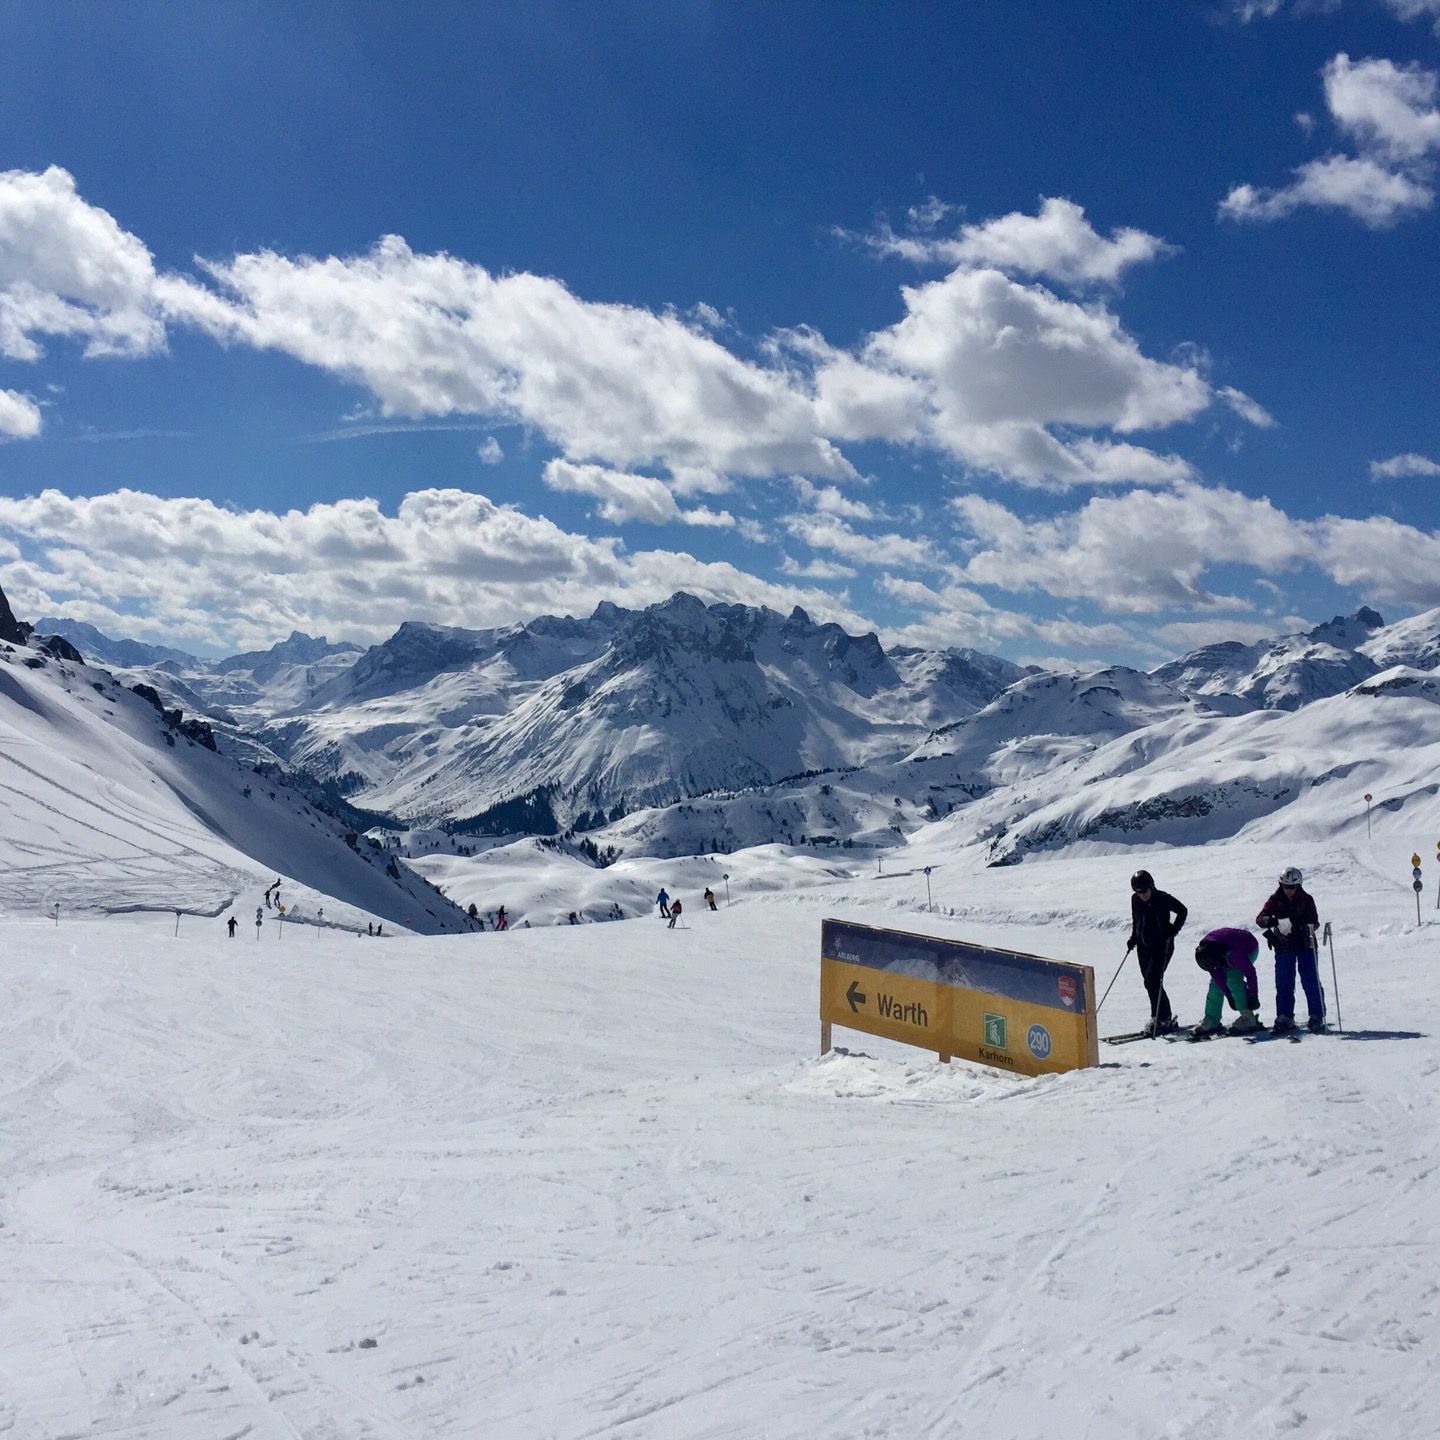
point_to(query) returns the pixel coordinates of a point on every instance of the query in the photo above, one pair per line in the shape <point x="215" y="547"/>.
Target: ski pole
<point x="1334" y="978"/>
<point x="1111" y="985"/>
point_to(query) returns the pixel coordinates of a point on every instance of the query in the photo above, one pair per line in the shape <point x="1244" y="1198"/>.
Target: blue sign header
<point x="957" y="962"/>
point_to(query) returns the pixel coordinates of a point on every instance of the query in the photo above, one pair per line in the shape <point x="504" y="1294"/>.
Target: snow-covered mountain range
<point x="695" y="730"/>
<point x="562" y="722"/>
<point x="238" y="691"/>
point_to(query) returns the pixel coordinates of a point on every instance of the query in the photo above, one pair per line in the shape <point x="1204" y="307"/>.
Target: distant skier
<point x="502" y="920"/>
<point x="1227" y="956"/>
<point x="379" y="930"/>
<point x="370" y="928"/>
<point x="710" y="898"/>
<point x="663" y="901"/>
<point x="675" y="909"/>
<point x="230" y="926"/>
<point x="1155" y="920"/>
<point x="1289" y="919"/>
<point x="574" y="918"/>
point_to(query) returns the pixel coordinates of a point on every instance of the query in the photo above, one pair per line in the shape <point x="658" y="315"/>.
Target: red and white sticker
<point x="1067" y="990"/>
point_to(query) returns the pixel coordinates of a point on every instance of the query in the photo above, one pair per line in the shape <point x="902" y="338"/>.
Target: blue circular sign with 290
<point x="1039" y="1042"/>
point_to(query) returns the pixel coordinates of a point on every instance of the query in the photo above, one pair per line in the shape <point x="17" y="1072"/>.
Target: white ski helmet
<point x="1290" y="876"/>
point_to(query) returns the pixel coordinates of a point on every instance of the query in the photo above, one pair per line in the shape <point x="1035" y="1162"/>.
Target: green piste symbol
<point x="995" y="1032"/>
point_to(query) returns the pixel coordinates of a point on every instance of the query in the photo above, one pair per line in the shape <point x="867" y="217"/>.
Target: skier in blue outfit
<point x="663" y="901"/>
<point x="1290" y="922"/>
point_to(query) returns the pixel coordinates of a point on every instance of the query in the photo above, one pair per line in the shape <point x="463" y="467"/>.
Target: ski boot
<point x="1246" y="1023"/>
<point x="1284" y="1025"/>
<point x="1207" y="1030"/>
<point x="1316" y="1024"/>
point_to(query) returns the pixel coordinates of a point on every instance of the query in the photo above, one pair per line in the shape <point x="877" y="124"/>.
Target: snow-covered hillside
<point x="106" y="805"/>
<point x="1269" y="774"/>
<point x="596" y="1181"/>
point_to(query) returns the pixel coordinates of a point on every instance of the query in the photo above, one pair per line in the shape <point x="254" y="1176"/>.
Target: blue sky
<point x="1062" y="334"/>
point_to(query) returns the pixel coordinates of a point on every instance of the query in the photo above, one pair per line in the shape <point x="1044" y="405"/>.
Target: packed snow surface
<point x="596" y="1181"/>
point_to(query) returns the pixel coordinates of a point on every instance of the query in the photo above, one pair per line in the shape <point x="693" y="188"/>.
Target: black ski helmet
<point x="1210" y="953"/>
<point x="1142" y="880"/>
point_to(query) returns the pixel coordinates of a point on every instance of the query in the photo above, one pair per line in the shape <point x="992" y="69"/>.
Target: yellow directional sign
<point x="998" y="1007"/>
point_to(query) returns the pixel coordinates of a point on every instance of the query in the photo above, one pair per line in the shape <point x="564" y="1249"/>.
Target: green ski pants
<point x="1215" y="997"/>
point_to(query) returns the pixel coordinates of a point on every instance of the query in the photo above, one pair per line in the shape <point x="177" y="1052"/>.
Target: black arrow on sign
<point x="855" y="996"/>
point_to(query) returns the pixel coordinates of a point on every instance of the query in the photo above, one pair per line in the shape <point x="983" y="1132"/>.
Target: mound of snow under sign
<point x="595" y="1180"/>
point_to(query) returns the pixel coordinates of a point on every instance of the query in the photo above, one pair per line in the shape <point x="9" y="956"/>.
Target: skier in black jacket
<point x="1155" y="920"/>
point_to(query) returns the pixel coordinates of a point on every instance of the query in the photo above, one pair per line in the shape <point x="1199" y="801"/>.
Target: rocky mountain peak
<point x="1348" y="631"/>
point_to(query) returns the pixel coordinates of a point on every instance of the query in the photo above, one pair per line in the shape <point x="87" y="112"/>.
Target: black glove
<point x="1129" y="944"/>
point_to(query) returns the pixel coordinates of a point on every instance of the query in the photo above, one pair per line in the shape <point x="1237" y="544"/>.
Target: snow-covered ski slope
<point x="104" y="807"/>
<point x="595" y="1181"/>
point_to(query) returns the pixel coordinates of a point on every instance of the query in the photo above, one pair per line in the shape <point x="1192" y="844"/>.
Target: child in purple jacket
<point x="1228" y="956"/>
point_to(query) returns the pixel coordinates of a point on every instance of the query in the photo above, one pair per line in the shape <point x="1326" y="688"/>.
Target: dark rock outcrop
<point x="197" y="730"/>
<point x="61" y="649"/>
<point x="12" y="631"/>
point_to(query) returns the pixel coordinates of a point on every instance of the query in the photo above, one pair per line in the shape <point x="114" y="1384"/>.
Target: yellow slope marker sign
<point x="998" y="1007"/>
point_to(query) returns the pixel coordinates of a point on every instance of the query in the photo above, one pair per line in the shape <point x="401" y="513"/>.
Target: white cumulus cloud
<point x="1400" y="465"/>
<point x="1057" y="242"/>
<point x="1246" y="10"/>
<point x="191" y="571"/>
<point x="68" y="269"/>
<point x="621" y="495"/>
<point x="1131" y="553"/>
<point x="1383" y="558"/>
<point x="433" y="335"/>
<point x="891" y="551"/>
<point x="1388" y="112"/>
<point x="1150" y="551"/>
<point x="19" y="416"/>
<point x="987" y="369"/>
<point x="1004" y="376"/>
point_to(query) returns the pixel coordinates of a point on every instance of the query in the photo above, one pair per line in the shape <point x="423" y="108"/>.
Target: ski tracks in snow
<point x="425" y="1190"/>
<point x="125" y="864"/>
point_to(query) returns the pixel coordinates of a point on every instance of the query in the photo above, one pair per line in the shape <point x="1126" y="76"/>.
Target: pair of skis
<point x="1187" y="1032"/>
